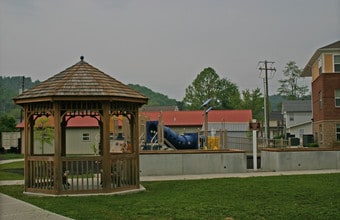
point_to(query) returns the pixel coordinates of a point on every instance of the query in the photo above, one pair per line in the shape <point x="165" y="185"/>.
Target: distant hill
<point x="9" y="88"/>
<point x="155" y="98"/>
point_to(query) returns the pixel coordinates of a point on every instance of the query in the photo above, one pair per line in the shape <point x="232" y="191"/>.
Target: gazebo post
<point x="134" y="138"/>
<point x="57" y="149"/>
<point x="63" y="136"/>
<point x="106" y="147"/>
<point x="31" y="136"/>
<point x="27" y="130"/>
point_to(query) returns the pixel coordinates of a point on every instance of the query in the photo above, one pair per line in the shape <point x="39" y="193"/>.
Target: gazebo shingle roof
<point x="81" y="80"/>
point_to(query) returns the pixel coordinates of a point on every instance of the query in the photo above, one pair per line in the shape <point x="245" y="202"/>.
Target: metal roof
<point x="196" y="118"/>
<point x="297" y="106"/>
<point x="81" y="81"/>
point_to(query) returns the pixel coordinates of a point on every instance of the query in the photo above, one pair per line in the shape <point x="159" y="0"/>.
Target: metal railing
<point x="246" y="144"/>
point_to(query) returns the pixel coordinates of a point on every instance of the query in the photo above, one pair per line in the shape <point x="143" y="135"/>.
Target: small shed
<point x="78" y="91"/>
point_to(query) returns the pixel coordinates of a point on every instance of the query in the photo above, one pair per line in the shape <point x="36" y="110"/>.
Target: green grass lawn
<point x="9" y="156"/>
<point x="277" y="197"/>
<point x="12" y="171"/>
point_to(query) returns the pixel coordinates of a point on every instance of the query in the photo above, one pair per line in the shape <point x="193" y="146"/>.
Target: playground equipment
<point x="119" y="134"/>
<point x="158" y="136"/>
<point x="171" y="138"/>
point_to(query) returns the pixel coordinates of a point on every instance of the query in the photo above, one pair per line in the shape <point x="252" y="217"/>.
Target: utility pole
<point x="264" y="66"/>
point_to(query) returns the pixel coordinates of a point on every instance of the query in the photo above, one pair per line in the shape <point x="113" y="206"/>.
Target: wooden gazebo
<point x="78" y="91"/>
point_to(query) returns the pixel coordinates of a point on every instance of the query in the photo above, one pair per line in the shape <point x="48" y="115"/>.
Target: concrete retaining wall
<point x="192" y="162"/>
<point x="299" y="159"/>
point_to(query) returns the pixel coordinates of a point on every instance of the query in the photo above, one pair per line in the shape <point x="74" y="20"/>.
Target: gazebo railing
<point x="82" y="174"/>
<point x="123" y="171"/>
<point x="40" y="173"/>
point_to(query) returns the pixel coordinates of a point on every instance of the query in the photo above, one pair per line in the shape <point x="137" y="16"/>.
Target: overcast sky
<point x="164" y="45"/>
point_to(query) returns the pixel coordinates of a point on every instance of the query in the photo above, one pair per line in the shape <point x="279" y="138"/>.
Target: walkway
<point x="9" y="206"/>
<point x="15" y="209"/>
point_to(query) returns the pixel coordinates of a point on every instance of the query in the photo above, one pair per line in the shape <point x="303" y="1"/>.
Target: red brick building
<point x="324" y="68"/>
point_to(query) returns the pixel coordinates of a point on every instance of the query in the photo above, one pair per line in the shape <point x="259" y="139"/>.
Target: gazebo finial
<point x="82" y="58"/>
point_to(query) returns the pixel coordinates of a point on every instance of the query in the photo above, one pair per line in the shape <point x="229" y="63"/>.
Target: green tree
<point x="7" y="123"/>
<point x="289" y="85"/>
<point x="228" y="95"/>
<point x="43" y="132"/>
<point x="208" y="85"/>
<point x="253" y="100"/>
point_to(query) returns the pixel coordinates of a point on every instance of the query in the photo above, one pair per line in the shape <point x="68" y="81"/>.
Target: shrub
<point x="313" y="145"/>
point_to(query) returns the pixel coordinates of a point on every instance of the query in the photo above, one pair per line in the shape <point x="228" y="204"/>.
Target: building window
<point x="320" y="66"/>
<point x="291" y="117"/>
<point x="86" y="136"/>
<point x="336" y="63"/>
<point x="320" y="100"/>
<point x="338" y="132"/>
<point x="337" y="97"/>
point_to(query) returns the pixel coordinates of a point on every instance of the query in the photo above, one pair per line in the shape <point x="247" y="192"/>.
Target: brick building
<point x="324" y="68"/>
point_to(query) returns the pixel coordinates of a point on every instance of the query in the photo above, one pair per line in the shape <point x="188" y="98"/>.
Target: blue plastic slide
<point x="180" y="142"/>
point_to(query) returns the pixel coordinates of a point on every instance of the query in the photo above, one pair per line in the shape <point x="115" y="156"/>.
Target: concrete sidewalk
<point x="249" y="173"/>
<point x="15" y="209"/>
<point x="10" y="161"/>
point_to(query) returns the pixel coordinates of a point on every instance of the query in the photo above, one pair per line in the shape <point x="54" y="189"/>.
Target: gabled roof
<point x="297" y="106"/>
<point x="196" y="118"/>
<point x="80" y="81"/>
<point x="307" y="71"/>
<point x="276" y="115"/>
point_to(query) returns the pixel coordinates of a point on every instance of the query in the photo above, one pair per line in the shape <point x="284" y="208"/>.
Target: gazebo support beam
<point x="27" y="146"/>
<point x="57" y="169"/>
<point x="135" y="143"/>
<point x="106" y="148"/>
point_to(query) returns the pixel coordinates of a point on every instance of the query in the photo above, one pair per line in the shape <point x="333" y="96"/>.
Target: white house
<point x="82" y="133"/>
<point x="297" y="116"/>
